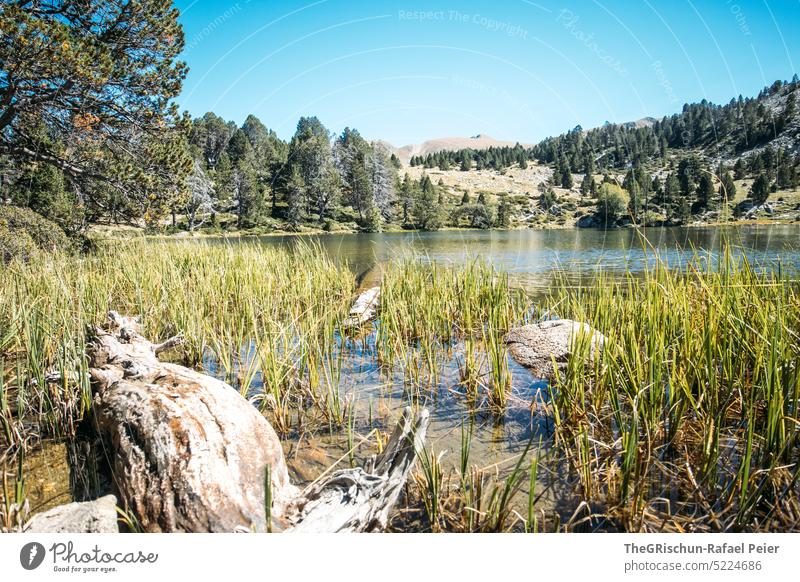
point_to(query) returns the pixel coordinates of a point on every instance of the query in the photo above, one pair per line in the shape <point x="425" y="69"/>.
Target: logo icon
<point x="31" y="555"/>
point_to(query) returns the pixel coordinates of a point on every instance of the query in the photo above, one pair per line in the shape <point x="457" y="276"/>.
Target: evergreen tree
<point x="566" y="177"/>
<point x="759" y="192"/>
<point x="503" y="213"/>
<point x="635" y="201"/>
<point x="101" y="76"/>
<point x="547" y="198"/>
<point x="427" y="212"/>
<point x="727" y="188"/>
<point x="683" y="212"/>
<point x="466" y="161"/>
<point x="351" y="153"/>
<point x="705" y="191"/>
<point x="739" y="170"/>
<point x="672" y="195"/>
<point x="407" y="197"/>
<point x="295" y="197"/>
<point x="310" y="152"/>
<point x="657" y="190"/>
<point x="586" y="185"/>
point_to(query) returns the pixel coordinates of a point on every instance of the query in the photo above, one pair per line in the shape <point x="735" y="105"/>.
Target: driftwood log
<point x="188" y="453"/>
<point x="364" y="308"/>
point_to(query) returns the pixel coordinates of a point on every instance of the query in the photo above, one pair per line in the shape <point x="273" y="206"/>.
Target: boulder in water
<point x="96" y="516"/>
<point x="537" y="345"/>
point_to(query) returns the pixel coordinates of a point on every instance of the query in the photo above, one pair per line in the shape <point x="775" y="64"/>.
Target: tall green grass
<point x="687" y="420"/>
<point x="256" y="312"/>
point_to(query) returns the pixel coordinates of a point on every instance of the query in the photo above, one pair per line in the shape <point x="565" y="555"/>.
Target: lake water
<point x="530" y="255"/>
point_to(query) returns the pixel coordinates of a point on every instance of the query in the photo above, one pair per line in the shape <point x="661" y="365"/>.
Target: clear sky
<point x="519" y="70"/>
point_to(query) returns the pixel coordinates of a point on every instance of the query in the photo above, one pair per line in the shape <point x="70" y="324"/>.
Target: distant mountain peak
<point x="479" y="141"/>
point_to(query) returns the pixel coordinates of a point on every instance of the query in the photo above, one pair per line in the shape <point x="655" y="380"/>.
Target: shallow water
<point x="531" y="257"/>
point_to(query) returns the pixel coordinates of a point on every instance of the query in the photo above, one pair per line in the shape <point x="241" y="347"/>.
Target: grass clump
<point x="689" y="418"/>
<point x="221" y="298"/>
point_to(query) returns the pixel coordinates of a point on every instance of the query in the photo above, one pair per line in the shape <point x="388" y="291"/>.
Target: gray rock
<point x="97" y="516"/>
<point x="536" y="345"/>
<point x="588" y="221"/>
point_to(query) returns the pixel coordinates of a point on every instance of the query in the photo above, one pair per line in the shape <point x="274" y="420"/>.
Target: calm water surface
<point x="531" y="255"/>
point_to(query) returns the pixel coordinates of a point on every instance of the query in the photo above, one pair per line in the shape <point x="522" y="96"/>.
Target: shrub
<point x="24" y="231"/>
<point x="15" y="244"/>
<point x="610" y="204"/>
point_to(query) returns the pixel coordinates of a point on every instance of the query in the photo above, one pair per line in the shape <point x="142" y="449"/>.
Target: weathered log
<point x="189" y="453"/>
<point x="364" y="308"/>
<point x="356" y="500"/>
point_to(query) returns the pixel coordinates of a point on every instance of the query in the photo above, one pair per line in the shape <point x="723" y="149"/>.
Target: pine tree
<point x="547" y="198"/>
<point x="635" y="201"/>
<point x="759" y="192"/>
<point x="295" y="197"/>
<point x="427" y="214"/>
<point x="566" y="178"/>
<point x="102" y="76"/>
<point x="727" y="188"/>
<point x="684" y="211"/>
<point x="503" y="213"/>
<point x="739" y="170"/>
<point x="705" y="191"/>
<point x="466" y="161"/>
<point x="407" y="197"/>
<point x="310" y="152"/>
<point x="586" y="185"/>
<point x="672" y="195"/>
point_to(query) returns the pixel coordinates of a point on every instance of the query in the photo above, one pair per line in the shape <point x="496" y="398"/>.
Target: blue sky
<point x="514" y="69"/>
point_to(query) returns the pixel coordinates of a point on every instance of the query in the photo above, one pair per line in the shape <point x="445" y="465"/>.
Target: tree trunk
<point x="189" y="453"/>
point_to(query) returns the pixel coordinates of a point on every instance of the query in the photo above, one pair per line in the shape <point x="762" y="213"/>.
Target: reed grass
<point x="686" y="421"/>
<point x="253" y="311"/>
<point x="689" y="417"/>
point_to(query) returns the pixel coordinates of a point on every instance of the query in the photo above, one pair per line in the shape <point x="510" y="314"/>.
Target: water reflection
<point x="530" y="254"/>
